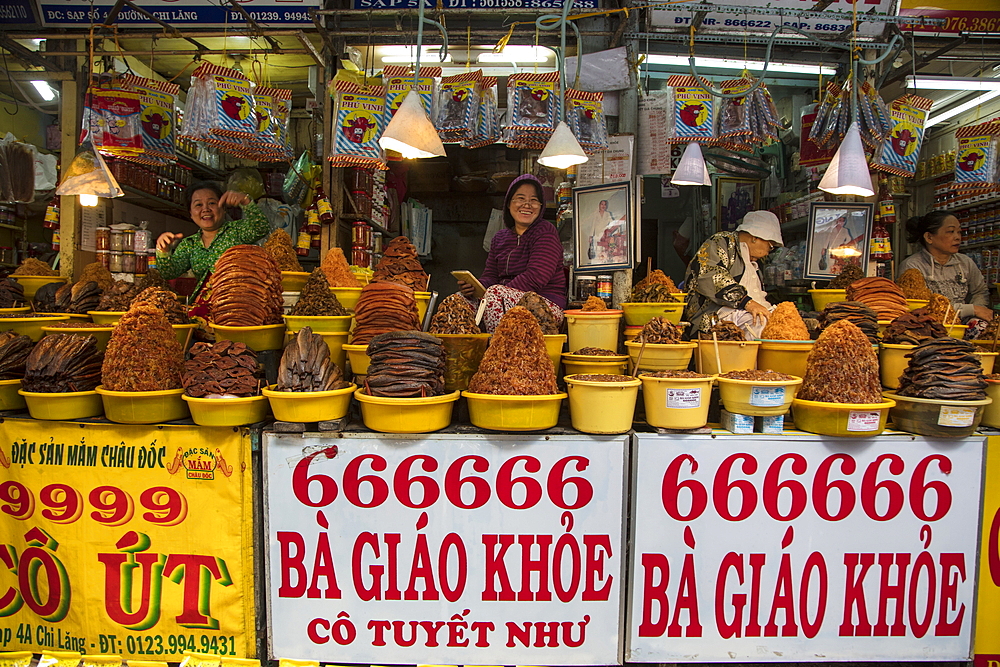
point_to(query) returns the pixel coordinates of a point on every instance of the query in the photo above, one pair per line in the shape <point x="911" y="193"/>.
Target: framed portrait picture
<point x="838" y="235"/>
<point x="604" y="227"/>
<point x="734" y="198"/>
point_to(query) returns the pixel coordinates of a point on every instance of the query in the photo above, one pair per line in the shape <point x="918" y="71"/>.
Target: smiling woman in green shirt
<point x="207" y="205"/>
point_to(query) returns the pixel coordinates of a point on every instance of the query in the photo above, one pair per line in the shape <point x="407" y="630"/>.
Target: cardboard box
<point x="735" y="423"/>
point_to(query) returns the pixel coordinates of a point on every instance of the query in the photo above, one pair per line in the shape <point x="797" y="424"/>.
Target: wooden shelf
<point x="374" y="225"/>
<point x="991" y="200"/>
<point x="133" y="194"/>
<point x="4" y="225"/>
<point x="931" y="179"/>
<point x="195" y="165"/>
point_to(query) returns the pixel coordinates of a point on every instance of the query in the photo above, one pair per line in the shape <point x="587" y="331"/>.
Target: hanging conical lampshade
<point x="848" y="171"/>
<point x="88" y="177"/>
<point x="410" y="132"/>
<point x="563" y="150"/>
<point x="692" y="170"/>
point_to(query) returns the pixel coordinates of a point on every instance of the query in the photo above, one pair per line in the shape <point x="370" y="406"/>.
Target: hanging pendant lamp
<point x="88" y="177"/>
<point x="410" y="132"/>
<point x="563" y="150"/>
<point x="692" y="170"/>
<point x="848" y="171"/>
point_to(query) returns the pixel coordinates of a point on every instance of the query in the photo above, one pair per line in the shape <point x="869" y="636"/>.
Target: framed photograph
<point x="604" y="227"/>
<point x="839" y="235"/>
<point x="734" y="198"/>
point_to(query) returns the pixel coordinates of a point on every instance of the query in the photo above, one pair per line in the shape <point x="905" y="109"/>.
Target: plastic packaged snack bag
<point x="487" y="127"/>
<point x="976" y="160"/>
<point x="694" y="110"/>
<point x="156" y="115"/>
<point x="398" y="82"/>
<point x="585" y="116"/>
<point x="458" y="102"/>
<point x="533" y="104"/>
<point x="358" y="123"/>
<point x="899" y="153"/>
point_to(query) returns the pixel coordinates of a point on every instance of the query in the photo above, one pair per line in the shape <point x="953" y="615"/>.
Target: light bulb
<point x="88" y="200"/>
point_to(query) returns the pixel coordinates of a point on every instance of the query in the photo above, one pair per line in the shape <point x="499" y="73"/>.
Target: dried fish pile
<point x="658" y="330"/>
<point x="943" y="368"/>
<point x="759" y="375"/>
<point x="63" y="363"/>
<point x="151" y="279"/>
<point x="11" y="293"/>
<point x="677" y="374"/>
<point x="913" y="329"/>
<point x="306" y="365"/>
<point x="118" y="298"/>
<point x="726" y="331"/>
<point x="316" y="299"/>
<point x="603" y="378"/>
<point x="399" y="264"/>
<point x="857" y="313"/>
<point x="881" y="295"/>
<point x="95" y="271"/>
<point x="454" y="316"/>
<point x="34" y="267"/>
<point x="384" y="307"/>
<point x="595" y="352"/>
<point x="279" y="246"/>
<point x="992" y="330"/>
<point x="225" y="368"/>
<point x="516" y="362"/>
<point x="913" y="285"/>
<point x="337" y="270"/>
<point x="536" y="306"/>
<point x="848" y="275"/>
<point x="14" y="351"/>
<point x="175" y="311"/>
<point x="594" y="303"/>
<point x="405" y="364"/>
<point x="143" y="353"/>
<point x="940" y="309"/>
<point x="45" y="298"/>
<point x="842" y="367"/>
<point x="79" y="297"/>
<point x="245" y="288"/>
<point x="652" y="293"/>
<point x="785" y="323"/>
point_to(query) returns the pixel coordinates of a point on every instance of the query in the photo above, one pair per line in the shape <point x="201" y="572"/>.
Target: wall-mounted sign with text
<point x="204" y="13"/>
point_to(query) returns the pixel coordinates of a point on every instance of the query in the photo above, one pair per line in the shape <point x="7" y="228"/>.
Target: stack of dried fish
<point x="881" y="295"/>
<point x="857" y="313"/>
<point x="245" y="288"/>
<point x="11" y="293"/>
<point x="306" y="365"/>
<point x="399" y="264"/>
<point x="225" y="368"/>
<point x="835" y="114"/>
<point x="384" y="307"/>
<point x="596" y="352"/>
<point x="119" y="297"/>
<point x="913" y="329"/>
<point x="316" y="299"/>
<point x="405" y="364"/>
<point x="594" y="303"/>
<point x="724" y="331"/>
<point x="785" y="323"/>
<point x="337" y="271"/>
<point x="516" y="362"/>
<point x="940" y="309"/>
<point x="14" y="351"/>
<point x="652" y="293"/>
<point x="842" y="367"/>
<point x="848" y="275"/>
<point x="657" y="331"/>
<point x="536" y="306"/>
<point x="167" y="301"/>
<point x="943" y="368"/>
<point x="44" y="300"/>
<point x="63" y="363"/>
<point x="99" y="274"/>
<point x="143" y="353"/>
<point x="913" y="285"/>
<point x="79" y="297"/>
<point x="34" y="267"/>
<point x="151" y="279"/>
<point x="454" y="316"/>
<point x="279" y="246"/>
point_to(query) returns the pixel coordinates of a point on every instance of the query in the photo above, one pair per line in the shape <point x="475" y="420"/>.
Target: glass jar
<point x="128" y="240"/>
<point x="141" y="262"/>
<point x="102" y="238"/>
<point x="586" y="287"/>
<point x="104" y="257"/>
<point x="115" y="262"/>
<point x="128" y="262"/>
<point x="117" y="240"/>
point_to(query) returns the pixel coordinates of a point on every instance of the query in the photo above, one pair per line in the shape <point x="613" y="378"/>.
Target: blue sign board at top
<point x="17" y="12"/>
<point x="512" y="5"/>
<point x="204" y="13"/>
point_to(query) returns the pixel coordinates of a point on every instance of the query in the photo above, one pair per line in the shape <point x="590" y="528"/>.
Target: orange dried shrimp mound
<point x="166" y="301"/>
<point x="516" y="362"/>
<point x="279" y="246"/>
<point x="940" y="309"/>
<point x="658" y="277"/>
<point x="316" y="299"/>
<point x="850" y="273"/>
<point x="881" y="295"/>
<point x="658" y="330"/>
<point x="143" y="353"/>
<point x="245" y="290"/>
<point x="785" y="323"/>
<point x="454" y="316"/>
<point x="536" y="306"/>
<point x="337" y="271"/>
<point x="34" y="267"/>
<point x="842" y="367"/>
<point x="95" y="271"/>
<point x="399" y="264"/>
<point x="594" y="303"/>
<point x="725" y="331"/>
<point x="384" y="307"/>
<point x="913" y="285"/>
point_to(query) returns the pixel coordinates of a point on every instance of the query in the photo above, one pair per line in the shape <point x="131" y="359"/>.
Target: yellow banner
<point x="129" y="540"/>
<point x="987" y="645"/>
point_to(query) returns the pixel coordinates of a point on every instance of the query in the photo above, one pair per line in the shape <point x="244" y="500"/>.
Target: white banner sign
<point x="793" y="549"/>
<point x="203" y="13"/>
<point x="719" y="21"/>
<point x="455" y="549"/>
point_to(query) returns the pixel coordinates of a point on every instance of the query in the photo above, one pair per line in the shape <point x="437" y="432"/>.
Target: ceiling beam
<point x="27" y="55"/>
<point x="41" y="76"/>
<point x="254" y="26"/>
<point x="908" y="69"/>
<point x="177" y="52"/>
<point x="317" y="56"/>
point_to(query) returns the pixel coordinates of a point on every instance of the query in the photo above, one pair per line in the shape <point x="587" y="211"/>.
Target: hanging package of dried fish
<point x="63" y="363"/>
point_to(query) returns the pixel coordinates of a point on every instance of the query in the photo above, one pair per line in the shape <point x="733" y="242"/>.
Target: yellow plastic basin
<point x="227" y="411"/>
<point x="32" y="284"/>
<point x="823" y="297"/>
<point x="637" y="314"/>
<point x="143" y="407"/>
<point x="734" y="355"/>
<point x="30" y="326"/>
<point x="67" y="405"/>
<point x="784" y="356"/>
<point x="597" y="328"/>
<point x="957" y="330"/>
<point x="913" y="304"/>
<point x="987" y="360"/>
<point x="293" y="281"/>
<point x="857" y="420"/>
<point x="258" y="339"/>
<point x="10" y="399"/>
<point x="105" y="316"/>
<point x="463" y="354"/>
<point x="347" y="296"/>
<point x="554" y="346"/>
<point x="991" y="414"/>
<point x="757" y="397"/>
<point x="102" y="334"/>
<point x="680" y="403"/>
<point x="602" y="407"/>
<point x="661" y="356"/>
<point x="585" y="364"/>
<point x="182" y="332"/>
<point x="892" y="363"/>
<point x="936" y="417"/>
<point x="335" y="342"/>
<point x="358" y="356"/>
<point x="19" y="309"/>
<point x="498" y="412"/>
<point x="319" y="324"/>
<point x="406" y="415"/>
<point x="423" y="300"/>
<point x="309" y="406"/>
<point x="631" y="332"/>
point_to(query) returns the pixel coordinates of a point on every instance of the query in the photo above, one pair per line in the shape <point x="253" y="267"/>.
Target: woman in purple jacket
<point x="525" y="256"/>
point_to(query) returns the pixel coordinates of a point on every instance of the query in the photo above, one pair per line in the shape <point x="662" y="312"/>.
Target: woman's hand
<point x="468" y="291"/>
<point x="759" y="312"/>
<point x="234" y="198"/>
<point x="167" y="239"/>
<point x="983" y="312"/>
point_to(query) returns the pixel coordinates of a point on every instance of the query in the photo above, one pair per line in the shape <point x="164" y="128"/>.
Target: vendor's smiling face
<point x="947" y="238"/>
<point x="205" y="210"/>
<point x="525" y="206"/>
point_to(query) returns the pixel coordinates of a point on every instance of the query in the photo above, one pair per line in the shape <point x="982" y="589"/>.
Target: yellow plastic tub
<point x="758" y="398"/>
<point x="106" y="316"/>
<point x="554" y="346"/>
<point x="335" y="342"/>
<point x="309" y="406"/>
<point x="821" y="298"/>
<point x="680" y="403"/>
<point x="661" y="356"/>
<point x="358" y="356"/>
<point x="258" y="339"/>
<point x="855" y="420"/>
<point x="585" y="364"/>
<point x="957" y="330"/>
<point x="513" y="413"/>
<point x="143" y="407"/>
<point x="79" y="317"/>
<point x="602" y="407"/>
<point x="102" y="334"/>
<point x="632" y="331"/>
<point x="463" y="354"/>
<point x="637" y="314"/>
<point x="913" y="304"/>
<point x="227" y="411"/>
<point x="32" y="284"/>
<point x="892" y="362"/>
<point x="883" y="325"/>
<point x="987" y="360"/>
<point x="936" y="417"/>
<point x="19" y="309"/>
<point x="347" y="296"/>
<point x="423" y="300"/>
<point x="31" y="326"/>
<point x="293" y="281"/>
<point x="734" y="355"/>
<point x="784" y="356"/>
<point x="406" y="415"/>
<point x="991" y="414"/>
<point x="67" y="405"/>
<point x="319" y="324"/>
<point x="182" y="332"/>
<point x="10" y="399"/>
<point x="597" y="328"/>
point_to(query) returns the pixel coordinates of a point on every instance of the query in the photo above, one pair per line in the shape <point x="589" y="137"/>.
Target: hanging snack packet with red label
<point x="533" y="103"/>
<point x="734" y="116"/>
<point x="585" y="116"/>
<point x="898" y="154"/>
<point x="359" y="121"/>
<point x="976" y="160"/>
<point x="399" y="81"/>
<point x="694" y="111"/>
<point x="117" y="113"/>
<point x="458" y="102"/>
<point x="156" y="118"/>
